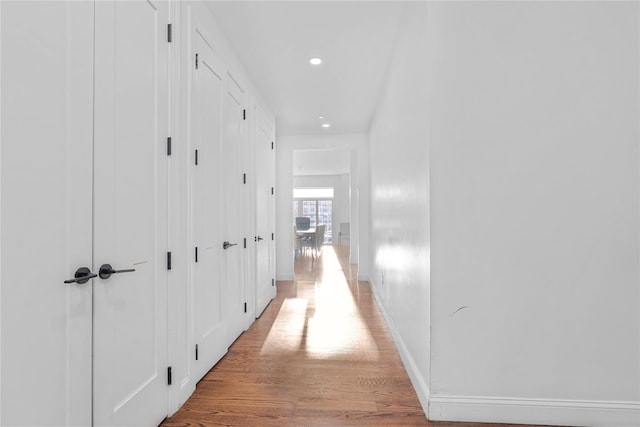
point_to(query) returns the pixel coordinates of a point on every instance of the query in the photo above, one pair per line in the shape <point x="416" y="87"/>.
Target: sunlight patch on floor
<point x="337" y="327"/>
<point x="287" y="331"/>
<point x="323" y="321"/>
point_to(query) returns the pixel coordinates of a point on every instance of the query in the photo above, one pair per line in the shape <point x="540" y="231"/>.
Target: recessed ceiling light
<point x="320" y="117"/>
<point x="326" y="125"/>
<point x="315" y="61"/>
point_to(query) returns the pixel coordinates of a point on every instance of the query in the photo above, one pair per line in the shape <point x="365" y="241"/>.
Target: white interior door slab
<point x="130" y="205"/>
<point x="209" y="323"/>
<point x="232" y="205"/>
<point x="272" y="207"/>
<point x="248" y="211"/>
<point x="265" y="290"/>
<point x="45" y="219"/>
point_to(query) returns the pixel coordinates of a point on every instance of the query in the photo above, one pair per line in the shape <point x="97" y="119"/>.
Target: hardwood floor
<point x="320" y="355"/>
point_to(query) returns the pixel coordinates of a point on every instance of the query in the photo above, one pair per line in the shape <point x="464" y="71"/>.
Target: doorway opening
<point x="321" y="205"/>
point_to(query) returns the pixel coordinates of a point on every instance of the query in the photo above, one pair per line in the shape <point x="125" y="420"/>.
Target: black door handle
<point x="82" y="276"/>
<point x="106" y="271"/>
<point x="227" y="245"/>
<point x="260" y="238"/>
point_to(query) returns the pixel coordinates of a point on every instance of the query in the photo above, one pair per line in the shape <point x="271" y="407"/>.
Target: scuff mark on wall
<point x="461" y="308"/>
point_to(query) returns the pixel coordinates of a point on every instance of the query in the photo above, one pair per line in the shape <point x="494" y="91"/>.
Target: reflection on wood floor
<point x="320" y="355"/>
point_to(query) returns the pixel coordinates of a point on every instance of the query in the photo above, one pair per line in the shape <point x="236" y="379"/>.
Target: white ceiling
<point x="274" y="40"/>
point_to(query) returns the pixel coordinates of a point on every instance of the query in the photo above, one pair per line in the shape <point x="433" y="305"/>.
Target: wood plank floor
<point x="320" y="355"/>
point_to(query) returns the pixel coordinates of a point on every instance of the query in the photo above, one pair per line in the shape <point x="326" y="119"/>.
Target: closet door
<point x="45" y="168"/>
<point x="231" y="213"/>
<point x="209" y="324"/>
<point x="130" y="213"/>
<point x="265" y="290"/>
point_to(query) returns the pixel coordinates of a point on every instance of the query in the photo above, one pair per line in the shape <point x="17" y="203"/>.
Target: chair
<point x="344" y="232"/>
<point x="314" y="242"/>
<point x="296" y="244"/>
<point x="319" y="238"/>
<point x="303" y="223"/>
<point x="307" y="242"/>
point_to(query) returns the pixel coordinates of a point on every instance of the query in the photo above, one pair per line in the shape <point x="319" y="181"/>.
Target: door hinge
<point x="169" y="375"/>
<point x="244" y="114"/>
<point x="273" y="282"/>
<point x="168" y="260"/>
<point x="272" y="191"/>
<point x="244" y="178"/>
<point x="196" y="254"/>
<point x="196" y="351"/>
<point x="245" y="307"/>
<point x="168" y="146"/>
<point x="169" y="33"/>
<point x="196" y="157"/>
<point x="273" y="236"/>
<point x="196" y="61"/>
<point x="245" y="243"/>
<point x="272" y="145"/>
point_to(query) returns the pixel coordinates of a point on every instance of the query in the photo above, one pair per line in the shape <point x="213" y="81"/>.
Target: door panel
<point x="130" y="205"/>
<point x="232" y="215"/>
<point x="264" y="289"/>
<point x="209" y="324"/>
<point x="46" y="158"/>
<point x="248" y="225"/>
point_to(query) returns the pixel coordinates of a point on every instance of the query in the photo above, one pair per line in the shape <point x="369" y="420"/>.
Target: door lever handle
<point x="260" y="238"/>
<point x="82" y="276"/>
<point x="106" y="271"/>
<point x="227" y="245"/>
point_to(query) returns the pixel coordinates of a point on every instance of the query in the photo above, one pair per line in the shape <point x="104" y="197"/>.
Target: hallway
<point x="482" y="159"/>
<point x="316" y="356"/>
<point x="320" y="355"/>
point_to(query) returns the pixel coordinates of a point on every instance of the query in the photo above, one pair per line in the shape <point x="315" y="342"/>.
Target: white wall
<point x="534" y="168"/>
<point x="400" y="217"/>
<point x="285" y="146"/>
<point x="530" y="127"/>
<point x="321" y="162"/>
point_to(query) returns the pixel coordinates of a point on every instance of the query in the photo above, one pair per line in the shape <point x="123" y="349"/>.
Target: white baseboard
<point x="510" y="410"/>
<point x="284" y="277"/>
<point x="534" y="411"/>
<point x="419" y="384"/>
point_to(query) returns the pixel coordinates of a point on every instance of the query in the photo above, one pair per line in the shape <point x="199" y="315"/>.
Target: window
<point x="324" y="213"/>
<point x="309" y="209"/>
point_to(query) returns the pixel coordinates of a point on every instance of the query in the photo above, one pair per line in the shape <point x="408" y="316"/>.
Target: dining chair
<point x="296" y="243"/>
<point x="303" y="223"/>
<point x="319" y="238"/>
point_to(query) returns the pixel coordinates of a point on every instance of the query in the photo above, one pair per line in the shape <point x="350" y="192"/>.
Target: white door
<point x="265" y="289"/>
<point x="248" y="223"/>
<point x="209" y="324"/>
<point x="231" y="207"/>
<point x="130" y="205"/>
<point x="46" y="196"/>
